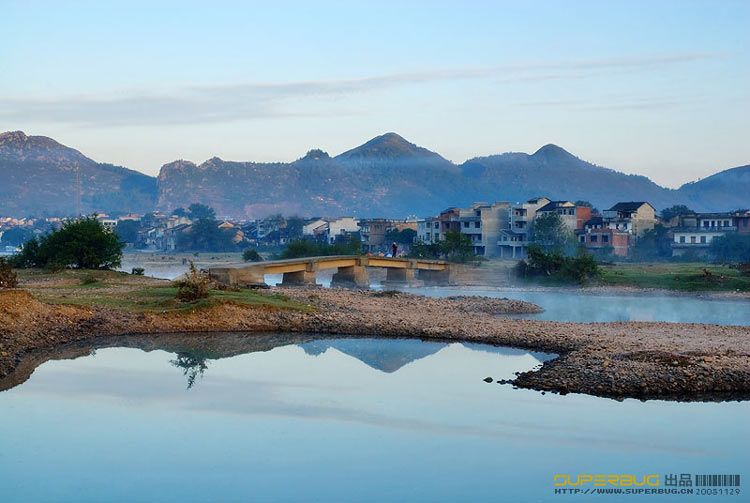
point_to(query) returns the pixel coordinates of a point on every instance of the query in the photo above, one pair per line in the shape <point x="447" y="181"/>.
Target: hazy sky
<point x="659" y="88"/>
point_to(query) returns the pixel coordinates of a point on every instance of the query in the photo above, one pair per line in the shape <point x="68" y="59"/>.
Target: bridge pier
<point x="252" y="277"/>
<point x="437" y="278"/>
<point x="400" y="277"/>
<point x="351" y="276"/>
<point x="298" y="278"/>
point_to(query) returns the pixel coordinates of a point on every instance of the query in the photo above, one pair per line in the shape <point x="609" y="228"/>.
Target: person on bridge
<point x="394" y="250"/>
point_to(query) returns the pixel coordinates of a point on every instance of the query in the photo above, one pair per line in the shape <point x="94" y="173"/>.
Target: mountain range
<point x="386" y="177"/>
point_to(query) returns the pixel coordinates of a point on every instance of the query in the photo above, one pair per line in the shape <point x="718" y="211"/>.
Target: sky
<point x="659" y="88"/>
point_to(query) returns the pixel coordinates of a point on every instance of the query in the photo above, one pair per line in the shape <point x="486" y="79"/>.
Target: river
<point x="335" y="420"/>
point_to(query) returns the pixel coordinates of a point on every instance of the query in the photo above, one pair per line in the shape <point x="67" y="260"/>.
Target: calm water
<point x="333" y="420"/>
<point x="571" y="305"/>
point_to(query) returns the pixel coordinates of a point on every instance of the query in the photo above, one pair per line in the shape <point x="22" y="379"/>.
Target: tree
<point x="456" y="247"/>
<point x="180" y="212"/>
<point x="654" y="244"/>
<point x="16" y="236"/>
<point x="403" y="237"/>
<point x="549" y="232"/>
<point x="199" y="211"/>
<point x="84" y="244"/>
<point x="677" y="210"/>
<point x="127" y="231"/>
<point x="294" y="227"/>
<point x="205" y="235"/>
<point x="731" y="248"/>
<point x="251" y="255"/>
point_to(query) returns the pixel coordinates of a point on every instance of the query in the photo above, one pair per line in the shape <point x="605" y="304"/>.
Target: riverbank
<point x="635" y="359"/>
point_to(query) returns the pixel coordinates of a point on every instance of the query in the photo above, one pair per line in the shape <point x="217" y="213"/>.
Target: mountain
<point x="556" y="173"/>
<point x="39" y="176"/>
<point x="387" y="176"/>
<point x="728" y="190"/>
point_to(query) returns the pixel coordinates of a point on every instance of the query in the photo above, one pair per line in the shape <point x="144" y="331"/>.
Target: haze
<point x="660" y="89"/>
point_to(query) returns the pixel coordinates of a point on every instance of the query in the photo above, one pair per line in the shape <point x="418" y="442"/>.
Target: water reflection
<point x="296" y="418"/>
<point x="192" y="366"/>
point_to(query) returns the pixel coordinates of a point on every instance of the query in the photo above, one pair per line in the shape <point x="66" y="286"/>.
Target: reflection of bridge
<point x="351" y="271"/>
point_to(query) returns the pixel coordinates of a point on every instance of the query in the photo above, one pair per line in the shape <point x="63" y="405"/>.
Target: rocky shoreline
<point x="642" y="360"/>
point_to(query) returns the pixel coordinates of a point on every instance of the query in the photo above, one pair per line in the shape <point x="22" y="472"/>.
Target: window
<point x="703" y="239"/>
<point x="582" y="239"/>
<point x="477" y="224"/>
<point x="594" y="238"/>
<point x="682" y="239"/>
<point x="692" y="239"/>
<point x="437" y="225"/>
<point x="466" y="224"/>
<point x="605" y="238"/>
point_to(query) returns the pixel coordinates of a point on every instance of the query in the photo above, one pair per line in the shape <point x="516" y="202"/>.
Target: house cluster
<point x="495" y="230"/>
<point x="502" y="229"/>
<point x="372" y="232"/>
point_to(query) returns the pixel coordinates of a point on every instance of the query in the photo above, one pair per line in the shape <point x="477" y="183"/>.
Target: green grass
<point x="162" y="299"/>
<point x="126" y="292"/>
<point x="688" y="277"/>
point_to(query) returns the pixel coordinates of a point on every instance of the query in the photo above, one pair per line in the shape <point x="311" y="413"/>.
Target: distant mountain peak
<point x="388" y="146"/>
<point x="316" y="154"/>
<point x="551" y="151"/>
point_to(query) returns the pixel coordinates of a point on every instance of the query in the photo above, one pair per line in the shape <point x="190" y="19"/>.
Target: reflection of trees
<point x="192" y="365"/>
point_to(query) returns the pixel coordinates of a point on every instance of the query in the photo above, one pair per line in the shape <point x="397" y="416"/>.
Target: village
<point x="499" y="230"/>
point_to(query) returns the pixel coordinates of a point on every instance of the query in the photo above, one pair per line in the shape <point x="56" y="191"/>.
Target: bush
<point x="84" y="244"/>
<point x="307" y="248"/>
<point x="251" y="255"/>
<point x="8" y="278"/>
<point x="89" y="279"/>
<point x="194" y="286"/>
<point x="456" y="247"/>
<point x="555" y="264"/>
<point x="137" y="271"/>
<point x="732" y="248"/>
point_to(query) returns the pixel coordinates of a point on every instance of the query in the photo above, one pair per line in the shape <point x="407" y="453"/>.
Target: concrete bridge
<point x="351" y="271"/>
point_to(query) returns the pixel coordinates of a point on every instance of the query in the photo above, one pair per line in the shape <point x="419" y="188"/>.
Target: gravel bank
<point x="618" y="360"/>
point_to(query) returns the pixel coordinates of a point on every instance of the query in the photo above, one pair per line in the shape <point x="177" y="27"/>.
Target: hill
<point x="39" y="176"/>
<point x="726" y="190"/>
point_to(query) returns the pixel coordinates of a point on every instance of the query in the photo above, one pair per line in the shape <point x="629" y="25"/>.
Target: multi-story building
<point x="636" y="217"/>
<point x="696" y="231"/>
<point x="483" y="223"/>
<point x="434" y="229"/>
<point x="372" y="233"/>
<point x="514" y="237"/>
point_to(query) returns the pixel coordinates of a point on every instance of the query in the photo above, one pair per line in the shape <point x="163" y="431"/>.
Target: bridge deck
<point x="253" y="273"/>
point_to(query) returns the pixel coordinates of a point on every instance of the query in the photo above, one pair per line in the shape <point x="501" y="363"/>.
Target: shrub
<point x="555" y="264"/>
<point x="137" y="271"/>
<point x="8" y="278"/>
<point x="194" y="286"/>
<point x="251" y="255"/>
<point x="89" y="279"/>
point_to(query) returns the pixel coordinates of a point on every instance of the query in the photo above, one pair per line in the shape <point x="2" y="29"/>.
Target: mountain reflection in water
<point x="298" y="418"/>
